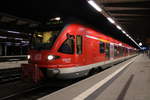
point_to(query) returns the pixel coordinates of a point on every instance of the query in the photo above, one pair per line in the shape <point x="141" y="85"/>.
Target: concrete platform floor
<point x="12" y="64"/>
<point x="132" y="83"/>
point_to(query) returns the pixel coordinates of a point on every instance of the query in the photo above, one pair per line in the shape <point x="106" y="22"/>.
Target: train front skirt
<point x="31" y="72"/>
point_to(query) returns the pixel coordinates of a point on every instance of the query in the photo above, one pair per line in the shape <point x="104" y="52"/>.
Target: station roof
<point x="28" y="15"/>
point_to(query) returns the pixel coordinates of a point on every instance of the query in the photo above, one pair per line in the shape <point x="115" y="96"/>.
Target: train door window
<point x="126" y="51"/>
<point x="121" y="52"/>
<point x="107" y="50"/>
<point x="115" y="51"/>
<point x="102" y="47"/>
<point x="79" y="44"/>
<point x="67" y="47"/>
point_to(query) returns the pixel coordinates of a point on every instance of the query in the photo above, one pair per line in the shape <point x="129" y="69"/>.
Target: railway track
<point x="20" y="94"/>
<point x="8" y="75"/>
<point x="37" y="90"/>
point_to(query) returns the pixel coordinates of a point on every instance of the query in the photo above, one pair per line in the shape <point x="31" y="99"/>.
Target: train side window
<point x="67" y="47"/>
<point x="102" y="47"/>
<point x="79" y="44"/>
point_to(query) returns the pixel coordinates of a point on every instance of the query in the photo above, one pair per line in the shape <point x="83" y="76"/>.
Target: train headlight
<point x="28" y="56"/>
<point x="50" y="57"/>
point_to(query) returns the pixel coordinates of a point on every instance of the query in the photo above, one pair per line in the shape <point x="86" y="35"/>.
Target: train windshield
<point x="44" y="40"/>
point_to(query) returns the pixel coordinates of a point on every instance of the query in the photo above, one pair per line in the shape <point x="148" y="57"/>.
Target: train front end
<point x="53" y="54"/>
<point x="41" y="56"/>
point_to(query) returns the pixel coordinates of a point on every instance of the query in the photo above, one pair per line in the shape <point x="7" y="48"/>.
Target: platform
<point x="13" y="58"/>
<point x="7" y="62"/>
<point x="129" y="80"/>
<point x="12" y="64"/>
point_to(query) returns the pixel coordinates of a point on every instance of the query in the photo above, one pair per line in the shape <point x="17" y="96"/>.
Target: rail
<point x="9" y="75"/>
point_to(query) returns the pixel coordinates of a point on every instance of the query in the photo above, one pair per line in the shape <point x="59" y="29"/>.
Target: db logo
<point x="66" y="60"/>
<point x="38" y="57"/>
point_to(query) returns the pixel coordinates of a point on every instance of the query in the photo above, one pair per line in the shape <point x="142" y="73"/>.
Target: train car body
<point x="73" y="53"/>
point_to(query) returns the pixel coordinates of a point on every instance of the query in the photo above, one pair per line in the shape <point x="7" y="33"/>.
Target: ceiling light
<point x="119" y="27"/>
<point x="124" y="32"/>
<point x="25" y="42"/>
<point x="3" y="37"/>
<point x="18" y="39"/>
<point x="13" y="32"/>
<point x="111" y="20"/>
<point x="94" y="5"/>
<point x="127" y="35"/>
<point x="57" y="18"/>
<point x="39" y="35"/>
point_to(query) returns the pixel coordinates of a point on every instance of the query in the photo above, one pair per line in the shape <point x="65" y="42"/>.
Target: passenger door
<point x="111" y="51"/>
<point x="80" y="59"/>
<point x="107" y="51"/>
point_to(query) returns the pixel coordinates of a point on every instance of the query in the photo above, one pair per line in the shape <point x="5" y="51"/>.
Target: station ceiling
<point x="28" y="15"/>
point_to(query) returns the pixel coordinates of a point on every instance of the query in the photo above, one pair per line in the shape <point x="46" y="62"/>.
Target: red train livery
<point x="72" y="52"/>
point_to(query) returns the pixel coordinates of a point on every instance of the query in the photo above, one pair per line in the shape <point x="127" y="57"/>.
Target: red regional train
<point x="72" y="52"/>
